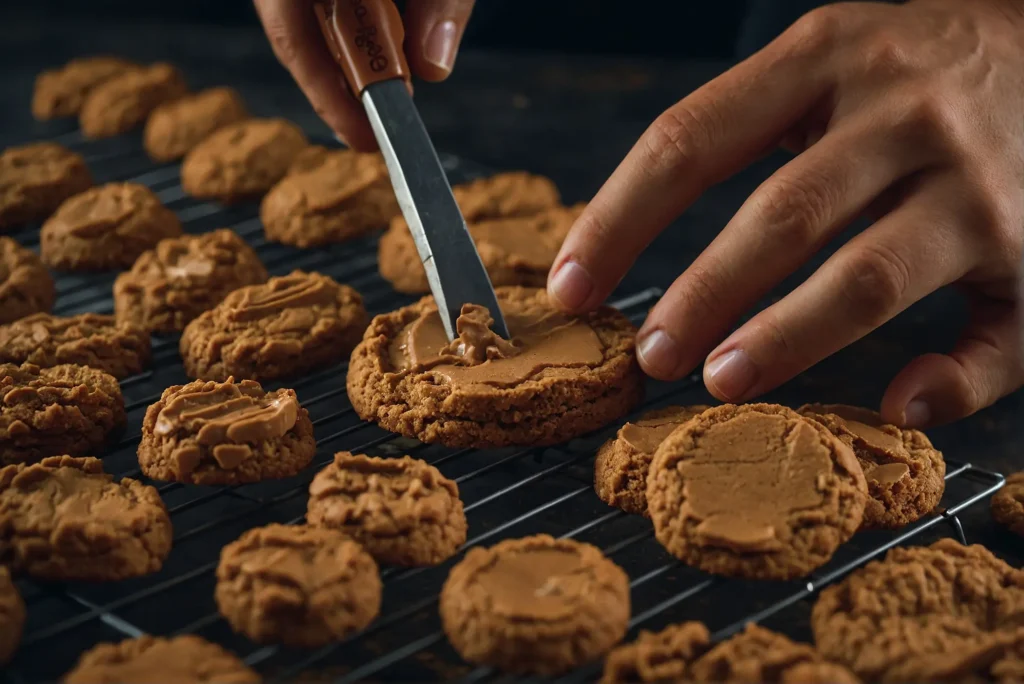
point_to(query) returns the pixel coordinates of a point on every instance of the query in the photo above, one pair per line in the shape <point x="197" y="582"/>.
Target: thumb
<point x="434" y="30"/>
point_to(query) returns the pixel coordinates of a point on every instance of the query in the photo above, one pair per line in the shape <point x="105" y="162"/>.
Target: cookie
<point x="297" y="585"/>
<point x="64" y="519"/>
<point x="329" y="196"/>
<point x="52" y="411"/>
<point x="536" y="605"/>
<point x="560" y="377"/>
<point x="175" y="127"/>
<point x="513" y="193"/>
<point x="905" y="473"/>
<point x="946" y="612"/>
<point x="185" y="659"/>
<point x="1008" y="504"/>
<point x="171" y="284"/>
<point x="12" y="616"/>
<point x="242" y="160"/>
<point x="94" y="340"/>
<point x="25" y="285"/>
<point x="291" y="325"/>
<point x="620" y="469"/>
<point x="121" y="103"/>
<point x="35" y="179"/>
<point x="106" y="227"/>
<point x="755" y="491"/>
<point x="60" y="92"/>
<point x="402" y="510"/>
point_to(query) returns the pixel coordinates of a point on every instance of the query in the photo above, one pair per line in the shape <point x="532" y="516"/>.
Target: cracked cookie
<point x="12" y="616"/>
<point x="180" y="278"/>
<point x="402" y="510"/>
<point x="60" y="92"/>
<point x="1008" y="504"/>
<point x="297" y="585"/>
<point x="121" y="103"/>
<point x="35" y="179"/>
<point x="176" y="127"/>
<point x="184" y="659"/>
<point x="25" y="285"/>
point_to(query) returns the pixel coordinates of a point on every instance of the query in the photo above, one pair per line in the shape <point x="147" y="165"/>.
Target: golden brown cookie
<point x="25" y="285"/>
<point x="185" y="659"/>
<point x="121" y="103"/>
<point x="35" y="179"/>
<point x="61" y="92"/>
<point x="229" y="432"/>
<point x="513" y="193"/>
<point x="12" y="616"/>
<point x="106" y="227"/>
<point x="297" y="585"/>
<point x="755" y="491"/>
<point x="286" y="327"/>
<point x="242" y="160"/>
<point x="536" y="605"/>
<point x="329" y="196"/>
<point x="64" y="519"/>
<point x="905" y="473"/>
<point x="177" y="126"/>
<point x="171" y="284"/>
<point x="1008" y="504"/>
<point x="620" y="469"/>
<point x="402" y="510"/>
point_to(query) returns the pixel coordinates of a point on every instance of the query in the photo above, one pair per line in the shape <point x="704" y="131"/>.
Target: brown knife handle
<point x="365" y="37"/>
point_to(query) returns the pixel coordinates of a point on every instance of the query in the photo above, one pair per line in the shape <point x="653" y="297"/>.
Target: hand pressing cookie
<point x="35" y="179"/>
<point x="175" y="127"/>
<point x="210" y="433"/>
<point x="402" y="510"/>
<point x="120" y="104"/>
<point x="25" y="285"/>
<point x="1008" y="504"/>
<point x="536" y="605"/>
<point x="296" y="585"/>
<point x="171" y="284"/>
<point x="106" y="227"/>
<point x="12" y="616"/>
<point x="153" y="660"/>
<point x="61" y="92"/>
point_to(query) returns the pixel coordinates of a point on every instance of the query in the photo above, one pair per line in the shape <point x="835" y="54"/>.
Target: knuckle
<point x="795" y="209"/>
<point x="999" y="217"/>
<point x="818" y="30"/>
<point x="875" y="284"/>
<point x="701" y="292"/>
<point x="884" y="54"/>
<point x="677" y="137"/>
<point x="927" y="116"/>
<point x="282" y="41"/>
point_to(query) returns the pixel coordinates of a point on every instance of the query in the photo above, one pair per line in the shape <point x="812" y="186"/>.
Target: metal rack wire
<point x="507" y="492"/>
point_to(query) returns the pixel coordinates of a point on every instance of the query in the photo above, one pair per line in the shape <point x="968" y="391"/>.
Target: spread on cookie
<point x="647" y="434"/>
<point x="296" y="291"/>
<point x="542" y="583"/>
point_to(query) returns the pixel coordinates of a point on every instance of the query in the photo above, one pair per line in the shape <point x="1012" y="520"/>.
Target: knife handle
<point x="365" y="37"/>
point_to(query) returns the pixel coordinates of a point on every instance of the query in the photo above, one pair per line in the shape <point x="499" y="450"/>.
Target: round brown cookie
<point x="664" y="656"/>
<point x="64" y="519"/>
<point x="289" y="326"/>
<point x="329" y="196"/>
<point x="171" y="284"/>
<point x="12" y="616"/>
<point x="755" y="491"/>
<point x="35" y="179"/>
<point x="185" y="659"/>
<point x="61" y="92"/>
<point x="513" y="193"/>
<point x="905" y="473"/>
<point x="620" y="469"/>
<point x="536" y="605"/>
<point x="25" y="285"/>
<point x="402" y="510"/>
<point x="121" y="103"/>
<point x="176" y="127"/>
<point x="60" y="410"/>
<point x="561" y="376"/>
<point x="297" y="585"/>
<point x="94" y="340"/>
<point x="209" y="432"/>
<point x="1008" y="504"/>
<point x="106" y="227"/>
<point x="242" y="160"/>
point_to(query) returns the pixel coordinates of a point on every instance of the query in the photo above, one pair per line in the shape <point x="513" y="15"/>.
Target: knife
<point x="365" y="37"/>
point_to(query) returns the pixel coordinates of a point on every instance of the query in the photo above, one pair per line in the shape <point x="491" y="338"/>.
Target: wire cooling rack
<point x="507" y="493"/>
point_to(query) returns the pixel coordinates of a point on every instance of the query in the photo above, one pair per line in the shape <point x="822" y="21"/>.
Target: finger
<point x="434" y="30"/>
<point x="299" y="45"/>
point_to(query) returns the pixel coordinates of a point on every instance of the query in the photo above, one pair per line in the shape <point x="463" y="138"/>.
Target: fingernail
<point x="731" y="375"/>
<point x="570" y="286"/>
<point x="917" y="414"/>
<point x="659" y="354"/>
<point x="440" y="47"/>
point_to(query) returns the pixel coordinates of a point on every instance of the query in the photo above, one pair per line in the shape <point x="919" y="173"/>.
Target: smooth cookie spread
<point x="647" y="434"/>
<point x="540" y="583"/>
<point x="292" y="295"/>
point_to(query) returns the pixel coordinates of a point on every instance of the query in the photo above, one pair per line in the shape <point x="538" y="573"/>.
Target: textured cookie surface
<point x="514" y="193"/>
<point x="176" y="127"/>
<point x="171" y="284"/>
<point x="297" y="585"/>
<point x="64" y="519"/>
<point x="185" y="659"/>
<point x="1008" y="504"/>
<point x="26" y="287"/>
<point x="35" y="179"/>
<point x="754" y="491"/>
<point x="12" y="616"/>
<point x="402" y="510"/>
<point x="536" y="605"/>
<point x="121" y="103"/>
<point x="209" y="432"/>
<point x="61" y="92"/>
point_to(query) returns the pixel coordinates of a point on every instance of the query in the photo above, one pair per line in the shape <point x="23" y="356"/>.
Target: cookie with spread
<point x="755" y="491"/>
<point x="905" y="473"/>
<point x="286" y="327"/>
<point x="242" y="160"/>
<point x="52" y="411"/>
<point x="1008" y="504"/>
<point x="64" y="519"/>
<point x="26" y="287"/>
<point x="35" y="179"/>
<point x="329" y="196"/>
<point x="513" y="193"/>
<point x="94" y="340"/>
<point x="60" y="92"/>
<point x="559" y="377"/>
<point x="297" y="585"/>
<point x="171" y="284"/>
<point x="106" y="227"/>
<point x="124" y="102"/>
<point x="536" y="605"/>
<point x="620" y="469"/>
<point x="156" y="660"/>
<point x="175" y="127"/>
<point x="12" y="616"/>
<point x="402" y="510"/>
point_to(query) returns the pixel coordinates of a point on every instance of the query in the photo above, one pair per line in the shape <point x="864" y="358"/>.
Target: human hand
<point x="433" y="29"/>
